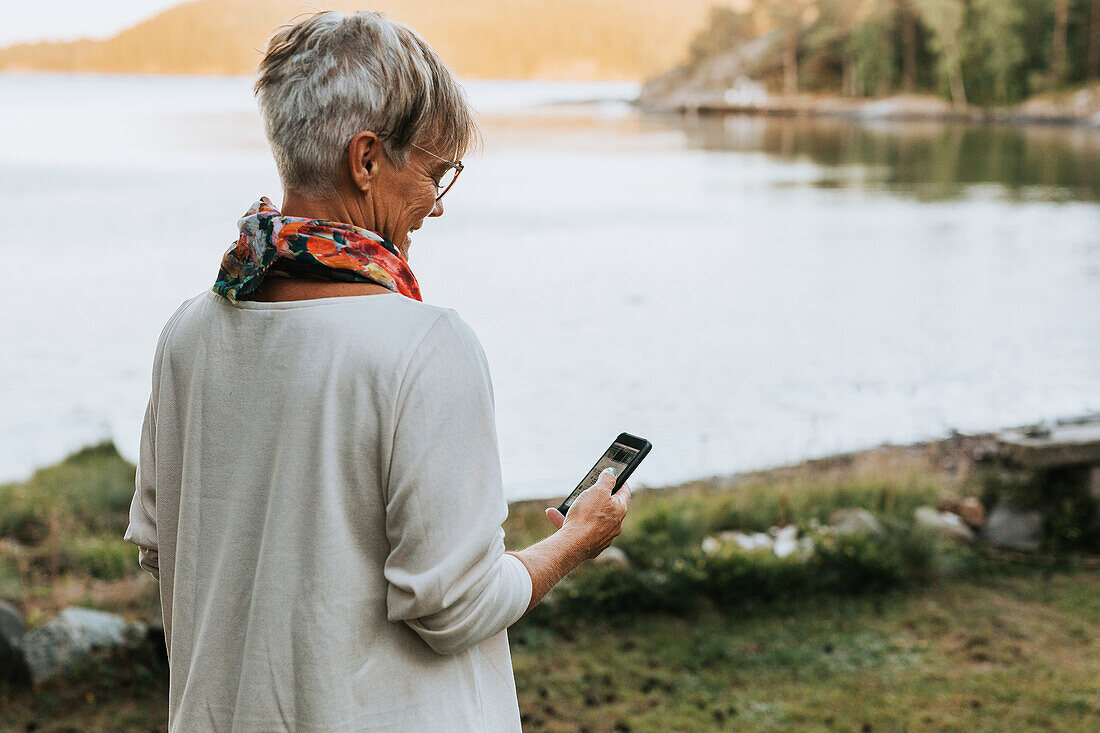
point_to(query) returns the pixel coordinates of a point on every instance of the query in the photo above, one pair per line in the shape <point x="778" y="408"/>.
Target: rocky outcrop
<point x="723" y="84"/>
<point x="781" y="541"/>
<point x="13" y="667"/>
<point x="944" y="523"/>
<point x="1080" y="107"/>
<point x="1014" y="529"/>
<point x="855" y="521"/>
<point x="721" y="79"/>
<point x="969" y="509"/>
<point x="49" y="650"/>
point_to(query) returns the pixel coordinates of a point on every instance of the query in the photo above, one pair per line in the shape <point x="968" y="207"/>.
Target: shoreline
<point x="942" y="454"/>
<point x="1078" y="109"/>
<point x="955" y="456"/>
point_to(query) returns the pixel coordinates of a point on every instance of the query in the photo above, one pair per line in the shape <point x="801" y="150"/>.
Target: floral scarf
<point x="295" y="245"/>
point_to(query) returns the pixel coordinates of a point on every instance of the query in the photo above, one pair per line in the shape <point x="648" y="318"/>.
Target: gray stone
<point x="945" y="523"/>
<point x="756" y="541"/>
<point x="972" y="512"/>
<point x="855" y="521"/>
<point x="98" y="627"/>
<point x="969" y="509"/>
<point x="782" y="541"/>
<point x="1094" y="482"/>
<point x="12" y="625"/>
<point x="58" y="643"/>
<point x="1014" y="529"/>
<point x="786" y="541"/>
<point x="13" y="666"/>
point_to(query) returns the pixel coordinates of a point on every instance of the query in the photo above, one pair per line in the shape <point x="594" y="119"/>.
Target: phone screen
<point x="618" y="456"/>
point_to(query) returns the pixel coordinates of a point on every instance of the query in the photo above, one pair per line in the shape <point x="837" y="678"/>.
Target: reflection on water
<point x="742" y="292"/>
<point x="932" y="161"/>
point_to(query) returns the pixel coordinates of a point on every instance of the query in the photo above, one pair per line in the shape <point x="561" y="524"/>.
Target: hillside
<point x="519" y="39"/>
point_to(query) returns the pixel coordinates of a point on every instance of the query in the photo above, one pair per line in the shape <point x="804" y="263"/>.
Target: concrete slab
<point x="1073" y="444"/>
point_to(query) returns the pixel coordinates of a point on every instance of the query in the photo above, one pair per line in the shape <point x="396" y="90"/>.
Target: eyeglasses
<point x="443" y="185"/>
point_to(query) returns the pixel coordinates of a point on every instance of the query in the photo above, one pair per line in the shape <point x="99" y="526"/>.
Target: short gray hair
<point x="330" y="76"/>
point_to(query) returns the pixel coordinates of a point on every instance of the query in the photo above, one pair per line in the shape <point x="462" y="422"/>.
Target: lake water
<point x="742" y="292"/>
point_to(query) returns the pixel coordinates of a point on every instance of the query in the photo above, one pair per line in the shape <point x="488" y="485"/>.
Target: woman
<point x="319" y="490"/>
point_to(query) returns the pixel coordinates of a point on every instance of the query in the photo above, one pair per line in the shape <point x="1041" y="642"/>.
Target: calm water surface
<point x="743" y="292"/>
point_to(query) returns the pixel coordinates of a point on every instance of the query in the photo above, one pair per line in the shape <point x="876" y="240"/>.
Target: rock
<point x="744" y="92"/>
<point x="711" y="82"/>
<point x="61" y="641"/>
<point x="984" y="451"/>
<point x="972" y="512"/>
<point x="969" y="509"/>
<point x="853" y="521"/>
<point x="783" y="541"/>
<point x="1014" y="529"/>
<point x="749" y="542"/>
<point x="949" y="503"/>
<point x="13" y="666"/>
<point x="946" y="523"/>
<point x="786" y="541"/>
<point x="907" y="107"/>
<point x="12" y="625"/>
<point x="613" y="556"/>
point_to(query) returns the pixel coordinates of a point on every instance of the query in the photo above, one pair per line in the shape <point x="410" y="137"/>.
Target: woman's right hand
<point x="596" y="515"/>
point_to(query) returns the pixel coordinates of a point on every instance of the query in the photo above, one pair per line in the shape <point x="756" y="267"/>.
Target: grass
<point x="890" y="484"/>
<point x="1013" y="652"/>
<point x="904" y="633"/>
<point x="61" y="538"/>
<point x="665" y="531"/>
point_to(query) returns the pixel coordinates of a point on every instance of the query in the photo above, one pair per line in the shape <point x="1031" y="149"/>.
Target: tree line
<point x="983" y="52"/>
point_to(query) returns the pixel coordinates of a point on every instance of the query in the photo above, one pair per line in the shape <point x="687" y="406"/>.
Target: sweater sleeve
<point x="142" y="530"/>
<point x="449" y="578"/>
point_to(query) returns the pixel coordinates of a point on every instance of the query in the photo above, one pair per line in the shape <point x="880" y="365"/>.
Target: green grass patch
<point x="90" y="489"/>
<point x="664" y="532"/>
<point x="999" y="653"/>
<point x="103" y="558"/>
<point x="897" y="632"/>
<point x="67" y="519"/>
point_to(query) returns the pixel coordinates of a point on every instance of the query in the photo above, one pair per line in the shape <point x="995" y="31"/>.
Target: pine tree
<point x="909" y="21"/>
<point x="946" y="19"/>
<point x="1092" y="65"/>
<point x="1058" y="45"/>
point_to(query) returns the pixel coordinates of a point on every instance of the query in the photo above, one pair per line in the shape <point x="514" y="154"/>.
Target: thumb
<point x="606" y="481"/>
<point x="555" y="516"/>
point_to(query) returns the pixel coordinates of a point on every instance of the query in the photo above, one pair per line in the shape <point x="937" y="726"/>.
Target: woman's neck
<point x="335" y="209"/>
<point x="280" y="289"/>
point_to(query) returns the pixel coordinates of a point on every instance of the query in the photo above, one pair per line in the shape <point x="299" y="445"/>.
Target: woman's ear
<point x="364" y="153"/>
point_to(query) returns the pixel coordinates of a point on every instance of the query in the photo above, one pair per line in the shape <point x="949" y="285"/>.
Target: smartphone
<point x="624" y="454"/>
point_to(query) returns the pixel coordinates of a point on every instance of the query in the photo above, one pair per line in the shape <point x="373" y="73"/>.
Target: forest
<point x="973" y="52"/>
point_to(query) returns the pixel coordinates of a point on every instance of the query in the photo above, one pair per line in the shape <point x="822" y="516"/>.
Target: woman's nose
<point x="437" y="210"/>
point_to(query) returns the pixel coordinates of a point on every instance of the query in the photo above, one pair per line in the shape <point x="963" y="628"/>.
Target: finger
<point x="555" y="516"/>
<point x="606" y="482"/>
<point x="623" y="496"/>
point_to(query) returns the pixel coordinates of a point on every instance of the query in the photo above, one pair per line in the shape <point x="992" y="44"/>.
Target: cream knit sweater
<point x="319" y="495"/>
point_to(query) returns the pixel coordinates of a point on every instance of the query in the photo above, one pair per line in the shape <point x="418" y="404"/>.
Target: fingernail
<point x="611" y="469"/>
